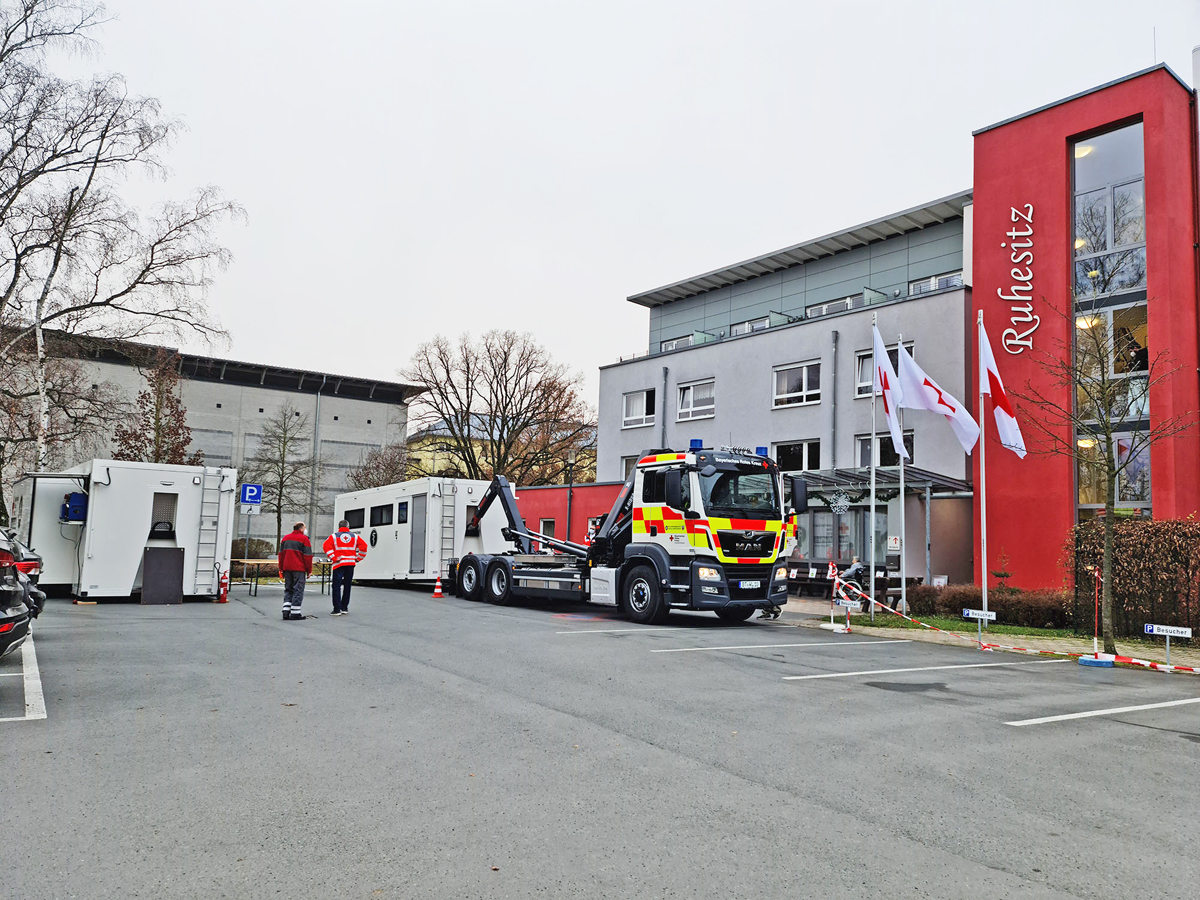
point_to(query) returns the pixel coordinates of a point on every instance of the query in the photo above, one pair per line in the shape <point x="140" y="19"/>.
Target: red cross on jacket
<point x="344" y="548"/>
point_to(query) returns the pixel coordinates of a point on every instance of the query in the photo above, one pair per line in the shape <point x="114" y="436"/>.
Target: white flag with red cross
<point x="922" y="392"/>
<point x="890" y="390"/>
<point x="990" y="383"/>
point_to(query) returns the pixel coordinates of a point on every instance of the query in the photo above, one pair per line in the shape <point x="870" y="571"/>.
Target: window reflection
<point x="1110" y="214"/>
<point x="1129" y="214"/>
<point x="1091" y="223"/>
<point x="1100" y="275"/>
<point x="1108" y="158"/>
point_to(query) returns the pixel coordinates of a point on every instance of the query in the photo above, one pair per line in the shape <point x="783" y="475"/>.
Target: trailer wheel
<point x="735" y="613"/>
<point x="470" y="579"/>
<point x="643" y="598"/>
<point x="499" y="584"/>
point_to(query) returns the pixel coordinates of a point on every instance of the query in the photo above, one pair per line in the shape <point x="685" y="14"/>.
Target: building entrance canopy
<point x="917" y="481"/>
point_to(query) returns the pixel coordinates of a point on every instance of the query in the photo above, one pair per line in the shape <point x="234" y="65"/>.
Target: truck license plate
<point x="745" y="585"/>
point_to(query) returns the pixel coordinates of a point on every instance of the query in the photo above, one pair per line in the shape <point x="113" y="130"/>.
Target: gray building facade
<point x="775" y="352"/>
<point x="227" y="402"/>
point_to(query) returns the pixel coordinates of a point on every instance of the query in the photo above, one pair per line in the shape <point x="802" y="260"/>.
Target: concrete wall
<point x="887" y="266"/>
<point x="226" y="421"/>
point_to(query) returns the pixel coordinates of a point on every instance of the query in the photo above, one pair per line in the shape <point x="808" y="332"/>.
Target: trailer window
<point x="402" y="512"/>
<point x="381" y="515"/>
<point x="354" y="517"/>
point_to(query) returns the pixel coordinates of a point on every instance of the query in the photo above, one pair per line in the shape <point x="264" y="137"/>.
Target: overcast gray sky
<point x="411" y="168"/>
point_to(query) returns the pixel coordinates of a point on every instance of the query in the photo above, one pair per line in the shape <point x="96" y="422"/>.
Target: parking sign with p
<point x="251" y="499"/>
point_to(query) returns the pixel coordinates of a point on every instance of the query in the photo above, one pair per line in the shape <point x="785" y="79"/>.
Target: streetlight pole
<point x="571" y="457"/>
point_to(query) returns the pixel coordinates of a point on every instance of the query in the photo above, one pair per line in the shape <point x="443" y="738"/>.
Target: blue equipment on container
<point x="74" y="509"/>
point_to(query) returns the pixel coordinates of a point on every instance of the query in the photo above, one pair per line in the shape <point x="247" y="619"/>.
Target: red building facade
<point x="1085" y="215"/>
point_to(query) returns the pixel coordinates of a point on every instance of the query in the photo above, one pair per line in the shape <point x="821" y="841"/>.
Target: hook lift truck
<point x="705" y="530"/>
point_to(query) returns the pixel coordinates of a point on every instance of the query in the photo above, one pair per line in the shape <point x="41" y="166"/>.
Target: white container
<point x="131" y="506"/>
<point x="414" y="528"/>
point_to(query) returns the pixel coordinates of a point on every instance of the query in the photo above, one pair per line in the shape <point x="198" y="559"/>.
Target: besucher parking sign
<point x="1169" y="631"/>
<point x="251" y="494"/>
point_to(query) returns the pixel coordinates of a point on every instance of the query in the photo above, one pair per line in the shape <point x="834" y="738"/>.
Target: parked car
<point x="14" y="614"/>
<point x="29" y="567"/>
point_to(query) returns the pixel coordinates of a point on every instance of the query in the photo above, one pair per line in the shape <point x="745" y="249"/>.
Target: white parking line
<point x="1116" y="710"/>
<point x="653" y="628"/>
<point x="35" y="702"/>
<point x="1036" y="662"/>
<point x="765" y="646"/>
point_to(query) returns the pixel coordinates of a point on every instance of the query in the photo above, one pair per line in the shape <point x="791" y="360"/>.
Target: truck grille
<point x="743" y="543"/>
<point x="747" y="572"/>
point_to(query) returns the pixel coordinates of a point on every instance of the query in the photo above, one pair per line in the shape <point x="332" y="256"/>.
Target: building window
<point x="798" y="384"/>
<point x="697" y="401"/>
<point x="866" y="369"/>
<point x="842" y="304"/>
<point x="750" y="326"/>
<point x="639" y="409"/>
<point x="354" y="517"/>
<point x="1133" y="482"/>
<point x="1110" y="213"/>
<point x="1113" y="358"/>
<point x="942" y="282"/>
<point x="381" y="515"/>
<point x="800" y="456"/>
<point x="628" y="464"/>
<point x="676" y="343"/>
<point x="885" y="453"/>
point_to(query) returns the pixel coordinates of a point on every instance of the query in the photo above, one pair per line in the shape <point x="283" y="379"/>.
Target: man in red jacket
<point x="295" y="565"/>
<point x="344" y="548"/>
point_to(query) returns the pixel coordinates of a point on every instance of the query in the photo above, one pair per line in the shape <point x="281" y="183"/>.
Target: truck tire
<point x="642" y="596"/>
<point x="470" y="578"/>
<point x="735" y="613"/>
<point x="497" y="587"/>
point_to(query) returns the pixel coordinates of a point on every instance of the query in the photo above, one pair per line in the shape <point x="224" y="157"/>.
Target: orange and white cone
<point x="437" y="589"/>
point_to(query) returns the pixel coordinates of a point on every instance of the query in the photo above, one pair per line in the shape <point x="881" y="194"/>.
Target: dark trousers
<point x="293" y="591"/>
<point x="342" y="576"/>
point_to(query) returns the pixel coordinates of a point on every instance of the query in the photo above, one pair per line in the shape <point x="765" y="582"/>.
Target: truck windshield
<point x="747" y="495"/>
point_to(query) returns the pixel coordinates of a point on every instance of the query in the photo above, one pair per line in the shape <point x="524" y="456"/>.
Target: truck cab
<point x="708" y="530"/>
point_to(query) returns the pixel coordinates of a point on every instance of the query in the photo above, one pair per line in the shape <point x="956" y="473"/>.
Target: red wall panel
<point x="1031" y="502"/>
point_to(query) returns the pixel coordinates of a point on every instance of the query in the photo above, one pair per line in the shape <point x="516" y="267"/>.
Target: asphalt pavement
<point x="423" y="748"/>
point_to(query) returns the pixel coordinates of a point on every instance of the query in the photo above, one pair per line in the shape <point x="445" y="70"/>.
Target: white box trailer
<point x="93" y="525"/>
<point x="414" y="528"/>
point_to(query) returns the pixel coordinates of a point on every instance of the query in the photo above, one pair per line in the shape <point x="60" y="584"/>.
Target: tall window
<point x="799" y="456"/>
<point x="1113" y="357"/>
<point x="697" y="401"/>
<point x="1110" y="213"/>
<point x="798" y="384"/>
<point x="639" y="409"/>
<point x="885" y="452"/>
<point x="865" y="368"/>
<point x="1133" y="482"/>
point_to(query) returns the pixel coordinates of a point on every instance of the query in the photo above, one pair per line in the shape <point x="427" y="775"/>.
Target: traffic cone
<point x="437" y="589"/>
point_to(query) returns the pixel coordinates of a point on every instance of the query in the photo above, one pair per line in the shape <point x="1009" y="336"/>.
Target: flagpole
<point x="871" y="508"/>
<point x="982" y="464"/>
<point x="903" y="550"/>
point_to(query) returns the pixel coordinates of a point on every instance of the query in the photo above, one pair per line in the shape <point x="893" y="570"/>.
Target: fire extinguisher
<point x="223" y="597"/>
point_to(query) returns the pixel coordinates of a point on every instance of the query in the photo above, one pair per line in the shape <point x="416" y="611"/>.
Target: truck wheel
<point x="498" y="587"/>
<point x="470" y="579"/>
<point x="643" y="598"/>
<point x="735" y="613"/>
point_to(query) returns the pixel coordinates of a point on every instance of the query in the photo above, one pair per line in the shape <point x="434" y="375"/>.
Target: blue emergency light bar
<point x="761" y="451"/>
<point x="696" y="444"/>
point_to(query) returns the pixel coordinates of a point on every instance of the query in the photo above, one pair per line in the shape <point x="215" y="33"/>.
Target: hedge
<point x="1031" y="609"/>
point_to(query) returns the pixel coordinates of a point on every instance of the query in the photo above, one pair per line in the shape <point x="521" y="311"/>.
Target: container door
<point x="416" y="565"/>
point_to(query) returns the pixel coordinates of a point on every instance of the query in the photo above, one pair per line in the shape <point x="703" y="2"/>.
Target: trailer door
<point x="416" y="559"/>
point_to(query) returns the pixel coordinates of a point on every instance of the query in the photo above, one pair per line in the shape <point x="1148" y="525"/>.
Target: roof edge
<point x="1092" y="90"/>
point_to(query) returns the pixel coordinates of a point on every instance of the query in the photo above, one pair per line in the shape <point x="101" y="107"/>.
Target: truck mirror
<point x="799" y="494"/>
<point x="673" y="488"/>
<point x="709" y="471"/>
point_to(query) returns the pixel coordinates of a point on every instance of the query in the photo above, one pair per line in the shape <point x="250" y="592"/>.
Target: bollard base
<point x="835" y="627"/>
<point x="1099" y="662"/>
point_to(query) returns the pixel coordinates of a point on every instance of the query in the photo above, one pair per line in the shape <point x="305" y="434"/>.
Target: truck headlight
<point x="708" y="574"/>
<point x="781" y="573"/>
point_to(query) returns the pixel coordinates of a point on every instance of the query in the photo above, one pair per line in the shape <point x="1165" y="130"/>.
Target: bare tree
<point x="501" y="405"/>
<point x="383" y="465"/>
<point x="1094" y="408"/>
<point x="159" y="433"/>
<point x="284" y="464"/>
<point x="82" y="417"/>
<point x="73" y="256"/>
